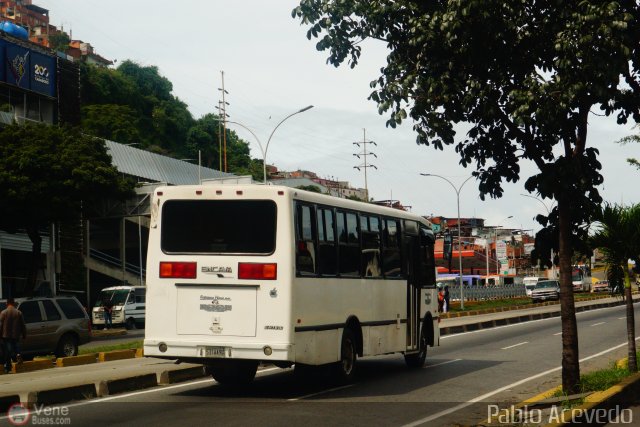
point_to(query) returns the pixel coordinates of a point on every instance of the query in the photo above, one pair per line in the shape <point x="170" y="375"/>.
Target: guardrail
<point x="478" y="293"/>
<point x="116" y="262"/>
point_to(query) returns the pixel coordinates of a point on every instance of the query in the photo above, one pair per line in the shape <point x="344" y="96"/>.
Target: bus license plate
<point x="212" y="351"/>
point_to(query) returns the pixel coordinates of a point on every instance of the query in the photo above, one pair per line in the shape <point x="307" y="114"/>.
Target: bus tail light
<point x="178" y="270"/>
<point x="257" y="271"/>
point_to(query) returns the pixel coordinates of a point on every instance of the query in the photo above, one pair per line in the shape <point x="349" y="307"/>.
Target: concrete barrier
<point x="110" y="387"/>
<point x="65" y="394"/>
<point x="84" y="359"/>
<point x="34" y="365"/>
<point x="180" y="375"/>
<point x="109" y="356"/>
<point x="7" y="400"/>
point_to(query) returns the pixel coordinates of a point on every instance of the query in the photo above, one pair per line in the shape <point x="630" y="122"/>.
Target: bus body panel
<point x="291" y="319"/>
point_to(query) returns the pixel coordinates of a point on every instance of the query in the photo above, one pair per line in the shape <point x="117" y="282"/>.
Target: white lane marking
<point x="515" y="345"/>
<point x="442" y="363"/>
<point x="599" y="323"/>
<point x="501" y="389"/>
<point x="558" y="333"/>
<point x="523" y="323"/>
<point x="320" y="392"/>
<point x="152" y="390"/>
<point x="620" y="318"/>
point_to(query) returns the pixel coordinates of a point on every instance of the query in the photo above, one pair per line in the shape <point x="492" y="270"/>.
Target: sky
<point x="272" y="70"/>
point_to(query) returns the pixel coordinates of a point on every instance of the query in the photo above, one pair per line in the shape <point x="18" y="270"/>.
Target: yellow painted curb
<point x="108" y="356"/>
<point x="35" y="365"/>
<point x="140" y="352"/>
<point x="84" y="359"/>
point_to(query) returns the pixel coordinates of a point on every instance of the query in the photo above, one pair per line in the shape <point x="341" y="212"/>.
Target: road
<point x="463" y="376"/>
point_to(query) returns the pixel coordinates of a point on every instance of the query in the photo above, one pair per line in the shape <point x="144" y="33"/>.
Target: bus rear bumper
<point x="207" y="351"/>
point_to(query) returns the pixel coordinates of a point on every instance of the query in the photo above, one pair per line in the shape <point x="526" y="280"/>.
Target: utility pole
<point x="223" y="112"/>
<point x="363" y="155"/>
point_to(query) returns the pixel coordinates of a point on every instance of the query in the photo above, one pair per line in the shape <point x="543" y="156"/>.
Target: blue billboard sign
<point x="43" y="74"/>
<point x="17" y="66"/>
<point x="27" y="69"/>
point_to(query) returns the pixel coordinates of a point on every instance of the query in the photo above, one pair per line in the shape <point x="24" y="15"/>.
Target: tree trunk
<point x="631" y="327"/>
<point x="34" y="267"/>
<point x="570" y="356"/>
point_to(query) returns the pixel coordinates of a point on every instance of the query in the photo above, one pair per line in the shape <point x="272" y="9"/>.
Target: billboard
<point x="27" y="69"/>
<point x="43" y="74"/>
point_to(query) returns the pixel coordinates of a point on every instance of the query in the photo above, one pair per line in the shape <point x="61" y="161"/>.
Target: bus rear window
<point x="219" y="226"/>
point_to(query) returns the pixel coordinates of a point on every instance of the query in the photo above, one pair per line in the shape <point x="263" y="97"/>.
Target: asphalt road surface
<point x="463" y="377"/>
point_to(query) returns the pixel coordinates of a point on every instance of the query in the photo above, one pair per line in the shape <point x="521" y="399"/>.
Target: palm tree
<point x="618" y="237"/>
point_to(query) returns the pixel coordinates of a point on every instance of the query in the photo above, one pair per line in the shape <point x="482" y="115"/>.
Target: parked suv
<point x="546" y="290"/>
<point x="54" y="325"/>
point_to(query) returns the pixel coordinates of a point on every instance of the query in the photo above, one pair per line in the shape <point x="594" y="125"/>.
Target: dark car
<point x="55" y="325"/>
<point x="546" y="290"/>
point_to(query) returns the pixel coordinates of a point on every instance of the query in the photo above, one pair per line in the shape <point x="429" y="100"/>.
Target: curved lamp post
<point x="457" y="190"/>
<point x="264" y="149"/>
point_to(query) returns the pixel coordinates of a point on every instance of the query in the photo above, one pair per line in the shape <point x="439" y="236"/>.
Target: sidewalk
<point x="65" y="384"/>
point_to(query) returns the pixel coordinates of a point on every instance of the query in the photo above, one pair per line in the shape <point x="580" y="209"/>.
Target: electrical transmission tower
<point x="222" y="111"/>
<point x="363" y="156"/>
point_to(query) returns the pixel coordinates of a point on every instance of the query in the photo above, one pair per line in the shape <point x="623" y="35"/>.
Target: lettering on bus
<point x="215" y="305"/>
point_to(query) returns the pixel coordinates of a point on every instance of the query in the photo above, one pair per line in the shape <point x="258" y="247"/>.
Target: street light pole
<point x="264" y="158"/>
<point x="457" y="190"/>
<point x="264" y="149"/>
<point x="548" y="209"/>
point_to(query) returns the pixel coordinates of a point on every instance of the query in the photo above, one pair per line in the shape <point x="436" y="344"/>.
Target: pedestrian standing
<point x="446" y="299"/>
<point x="107" y="307"/>
<point x="12" y="327"/>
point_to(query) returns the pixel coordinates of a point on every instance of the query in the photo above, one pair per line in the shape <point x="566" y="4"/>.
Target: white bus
<point x="242" y="274"/>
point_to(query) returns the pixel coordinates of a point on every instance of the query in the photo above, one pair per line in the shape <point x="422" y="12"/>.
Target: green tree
<point x="59" y="41"/>
<point x="618" y="237"/>
<point x="627" y="139"/>
<point x="114" y="122"/>
<point x="522" y="77"/>
<point x="49" y="174"/>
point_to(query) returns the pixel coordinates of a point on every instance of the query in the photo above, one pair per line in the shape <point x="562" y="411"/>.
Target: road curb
<point x="34" y="365"/>
<point x="109" y="356"/>
<point x="8" y="400"/>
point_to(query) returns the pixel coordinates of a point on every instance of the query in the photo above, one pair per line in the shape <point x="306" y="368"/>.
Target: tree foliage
<point x="59" y="41"/>
<point x="627" y="139"/>
<point x="522" y="77"/>
<point x="48" y="174"/>
<point x="135" y="104"/>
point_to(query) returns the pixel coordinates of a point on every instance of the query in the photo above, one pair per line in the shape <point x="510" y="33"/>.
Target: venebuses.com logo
<point x="19" y="415"/>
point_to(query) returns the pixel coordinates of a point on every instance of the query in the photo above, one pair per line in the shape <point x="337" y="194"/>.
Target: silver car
<point x="546" y="290"/>
<point x="55" y="325"/>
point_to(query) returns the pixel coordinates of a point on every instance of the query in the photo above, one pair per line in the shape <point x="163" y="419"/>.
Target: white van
<point x="128" y="306"/>
<point x="530" y="283"/>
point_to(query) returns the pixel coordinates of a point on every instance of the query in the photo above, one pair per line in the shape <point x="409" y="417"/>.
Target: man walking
<point x="12" y="327"/>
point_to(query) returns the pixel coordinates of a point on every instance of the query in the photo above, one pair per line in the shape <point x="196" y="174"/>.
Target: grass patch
<point x="124" y="346"/>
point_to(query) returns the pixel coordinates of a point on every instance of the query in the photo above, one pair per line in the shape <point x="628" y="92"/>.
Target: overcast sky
<point x="272" y="70"/>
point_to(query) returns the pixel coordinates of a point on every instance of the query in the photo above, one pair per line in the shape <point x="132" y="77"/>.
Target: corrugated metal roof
<point x="155" y="167"/>
<point x="298" y="182"/>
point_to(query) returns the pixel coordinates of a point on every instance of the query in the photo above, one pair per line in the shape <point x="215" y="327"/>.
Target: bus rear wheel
<point x="234" y="373"/>
<point x="417" y="360"/>
<point x="346" y="368"/>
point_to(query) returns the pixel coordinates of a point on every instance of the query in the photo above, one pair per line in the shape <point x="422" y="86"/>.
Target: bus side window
<point x="349" y="247"/>
<point x="391" y="256"/>
<point x="428" y="259"/>
<point x="305" y="242"/>
<point x="371" y="265"/>
<point x="327" y="252"/>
